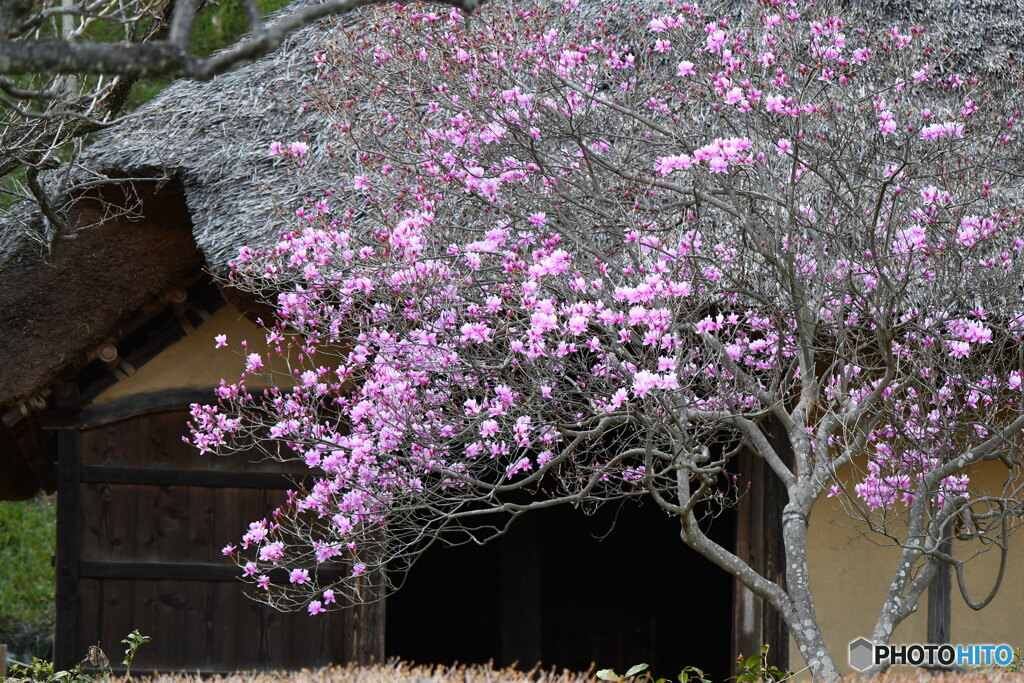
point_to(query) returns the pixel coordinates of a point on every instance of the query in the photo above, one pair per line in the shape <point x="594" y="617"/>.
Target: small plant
<point x="640" y="672"/>
<point x="754" y="669"/>
<point x="42" y="671"/>
<point x="1014" y="667"/>
<point x="95" y="666"/>
<point x="133" y="640"/>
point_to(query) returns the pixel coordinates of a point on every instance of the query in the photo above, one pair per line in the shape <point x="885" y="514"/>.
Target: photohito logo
<point x="864" y="653"/>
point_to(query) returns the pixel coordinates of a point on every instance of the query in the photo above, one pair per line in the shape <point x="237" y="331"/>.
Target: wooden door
<point x="141" y="520"/>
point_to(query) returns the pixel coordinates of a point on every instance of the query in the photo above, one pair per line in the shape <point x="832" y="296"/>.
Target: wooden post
<point x="759" y="543"/>
<point x="939" y="605"/>
<point x="365" y="623"/>
<point x="3" y="661"/>
<point x="68" y="467"/>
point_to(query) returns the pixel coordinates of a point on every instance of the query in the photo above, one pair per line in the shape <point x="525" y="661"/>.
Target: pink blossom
<point x="776" y="104"/>
<point x="959" y="349"/>
<point x="716" y="39"/>
<point x="299" y="576"/>
<point x="666" y="165"/>
<point x="476" y="333"/>
<point x="272" y="552"/>
<point x="861" y="55"/>
<point x="968" y="234"/>
<point x="718" y="165"/>
<point x="315" y="607"/>
<point x="644" y="382"/>
<point x="221" y="340"/>
<point x="521" y="465"/>
<point x="489" y="428"/>
<point x="298" y="149"/>
<point x="886" y="122"/>
<point x="974" y="331"/>
<point x="941" y="130"/>
<point x="618" y="398"/>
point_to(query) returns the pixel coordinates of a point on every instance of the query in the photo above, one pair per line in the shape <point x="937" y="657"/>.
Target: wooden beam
<point x="123" y="408"/>
<point x="166" y="476"/>
<point x="188" y="571"/>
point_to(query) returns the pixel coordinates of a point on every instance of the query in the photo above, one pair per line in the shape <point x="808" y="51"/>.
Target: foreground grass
<point x="398" y="672"/>
<point x="401" y="672"/>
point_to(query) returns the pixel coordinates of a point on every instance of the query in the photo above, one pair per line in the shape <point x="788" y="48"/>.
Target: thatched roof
<point x="212" y="140"/>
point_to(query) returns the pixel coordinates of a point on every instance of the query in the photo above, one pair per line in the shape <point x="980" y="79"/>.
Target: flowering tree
<point x="569" y="255"/>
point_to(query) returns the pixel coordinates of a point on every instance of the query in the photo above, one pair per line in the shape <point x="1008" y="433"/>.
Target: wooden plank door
<point x="141" y="520"/>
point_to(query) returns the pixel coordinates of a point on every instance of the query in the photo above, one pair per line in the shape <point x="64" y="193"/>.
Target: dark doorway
<point x="613" y="589"/>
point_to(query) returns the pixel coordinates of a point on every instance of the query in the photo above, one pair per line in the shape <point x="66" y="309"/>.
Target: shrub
<point x="27" y="542"/>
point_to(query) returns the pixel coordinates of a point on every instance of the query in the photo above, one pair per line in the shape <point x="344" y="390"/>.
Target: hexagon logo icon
<point x="860" y="654"/>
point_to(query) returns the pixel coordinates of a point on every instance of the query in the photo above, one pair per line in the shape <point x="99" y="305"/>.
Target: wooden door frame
<point x="759" y="543"/>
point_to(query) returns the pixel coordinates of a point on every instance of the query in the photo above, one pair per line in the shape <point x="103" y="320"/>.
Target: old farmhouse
<point x="105" y="348"/>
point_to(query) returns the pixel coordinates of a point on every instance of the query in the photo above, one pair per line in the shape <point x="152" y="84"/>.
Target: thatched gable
<point x="102" y="280"/>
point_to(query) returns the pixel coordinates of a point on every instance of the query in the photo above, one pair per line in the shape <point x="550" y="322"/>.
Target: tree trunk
<point x="800" y="615"/>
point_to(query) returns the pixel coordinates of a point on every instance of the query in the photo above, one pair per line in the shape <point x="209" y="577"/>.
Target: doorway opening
<point x="569" y="590"/>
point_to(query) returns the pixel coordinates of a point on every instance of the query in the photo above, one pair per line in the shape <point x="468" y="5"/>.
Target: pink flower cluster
<point x="535" y="285"/>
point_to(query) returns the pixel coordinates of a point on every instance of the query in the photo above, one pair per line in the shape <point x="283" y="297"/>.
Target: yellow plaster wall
<point x="850" y="573"/>
<point x="193" y="362"/>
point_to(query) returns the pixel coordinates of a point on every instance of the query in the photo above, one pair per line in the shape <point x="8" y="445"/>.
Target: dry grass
<point x="399" y="672"/>
<point x="405" y="673"/>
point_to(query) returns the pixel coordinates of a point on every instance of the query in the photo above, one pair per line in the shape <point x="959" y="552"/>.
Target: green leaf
<point x="751" y="661"/>
<point x="608" y="675"/>
<point x="635" y="669"/>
